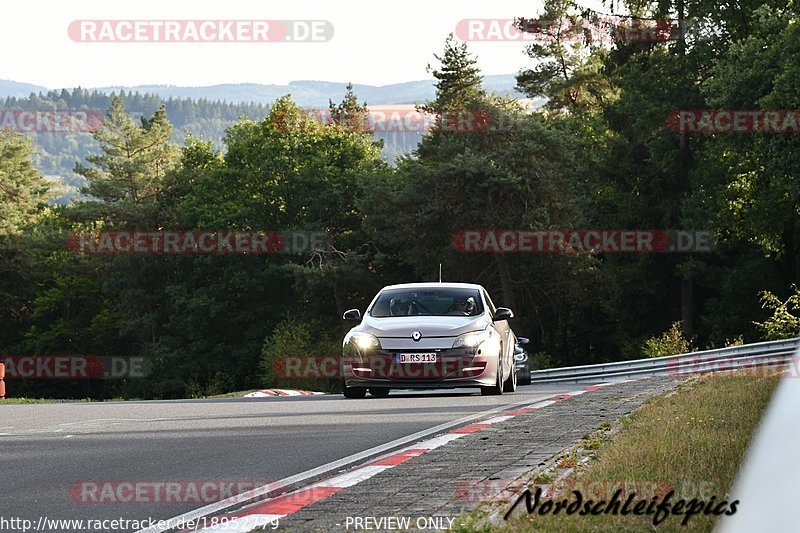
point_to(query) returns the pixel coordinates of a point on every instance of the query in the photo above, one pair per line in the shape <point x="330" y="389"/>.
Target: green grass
<point x="20" y="401"/>
<point x="17" y="401"/>
<point x="692" y="441"/>
<point x="545" y="477"/>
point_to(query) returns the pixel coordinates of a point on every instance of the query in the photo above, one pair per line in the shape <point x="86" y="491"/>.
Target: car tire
<point x="510" y="384"/>
<point x="497" y="388"/>
<point x="526" y="377"/>
<point x="379" y="392"/>
<point x="353" y="392"/>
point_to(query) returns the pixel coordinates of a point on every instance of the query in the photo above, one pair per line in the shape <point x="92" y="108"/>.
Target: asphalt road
<point x="52" y="454"/>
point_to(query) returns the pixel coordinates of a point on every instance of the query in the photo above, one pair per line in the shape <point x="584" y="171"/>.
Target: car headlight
<point x="365" y="341"/>
<point x="519" y="357"/>
<point x="472" y="339"/>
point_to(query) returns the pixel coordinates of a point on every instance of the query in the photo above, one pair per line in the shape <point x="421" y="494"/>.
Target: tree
<point x="569" y="64"/>
<point x="458" y="80"/>
<point x="514" y="171"/>
<point x="753" y="177"/>
<point x="135" y="159"/>
<point x="286" y="172"/>
<point x="23" y="190"/>
<point x="350" y="114"/>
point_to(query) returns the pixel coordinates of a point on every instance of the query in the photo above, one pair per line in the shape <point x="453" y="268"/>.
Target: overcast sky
<point x="374" y="43"/>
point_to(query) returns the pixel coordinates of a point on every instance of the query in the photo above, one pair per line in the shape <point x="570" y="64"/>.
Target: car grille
<point x="448" y="367"/>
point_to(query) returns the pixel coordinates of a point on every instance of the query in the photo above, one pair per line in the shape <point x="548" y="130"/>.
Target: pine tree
<point x="458" y="85"/>
<point x="350" y="114"/>
<point x="22" y="188"/>
<point x="128" y="177"/>
<point x="135" y="157"/>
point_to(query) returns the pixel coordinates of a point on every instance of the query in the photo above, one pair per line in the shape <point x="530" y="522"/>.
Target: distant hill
<point x="208" y="111"/>
<point x="19" y="90"/>
<point x="58" y="151"/>
<point x="306" y="93"/>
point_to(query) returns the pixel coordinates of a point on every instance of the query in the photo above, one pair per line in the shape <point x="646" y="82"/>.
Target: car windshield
<point x="427" y="302"/>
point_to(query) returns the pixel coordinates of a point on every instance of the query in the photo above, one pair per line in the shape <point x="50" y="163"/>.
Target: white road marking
<point x="222" y="505"/>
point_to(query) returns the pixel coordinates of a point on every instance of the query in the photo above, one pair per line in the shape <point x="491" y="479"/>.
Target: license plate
<point x="416" y="358"/>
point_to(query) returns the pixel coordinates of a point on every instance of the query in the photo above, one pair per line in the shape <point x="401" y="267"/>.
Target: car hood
<point x="429" y="326"/>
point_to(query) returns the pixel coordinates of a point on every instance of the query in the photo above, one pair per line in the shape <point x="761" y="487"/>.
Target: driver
<point x="400" y="308"/>
<point x="460" y="306"/>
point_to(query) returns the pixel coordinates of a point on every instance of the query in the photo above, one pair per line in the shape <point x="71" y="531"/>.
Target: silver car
<point x="428" y="336"/>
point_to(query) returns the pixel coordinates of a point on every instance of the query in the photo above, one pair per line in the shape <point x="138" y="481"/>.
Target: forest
<point x="600" y="155"/>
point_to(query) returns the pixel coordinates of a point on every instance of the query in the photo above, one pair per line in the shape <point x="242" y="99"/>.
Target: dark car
<point x="522" y="363"/>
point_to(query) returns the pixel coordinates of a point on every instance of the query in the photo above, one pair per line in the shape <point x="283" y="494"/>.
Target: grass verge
<point x="691" y="441"/>
<point x="22" y="401"/>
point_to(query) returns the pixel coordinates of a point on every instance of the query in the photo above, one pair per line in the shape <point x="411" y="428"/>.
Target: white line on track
<point x="222" y="505"/>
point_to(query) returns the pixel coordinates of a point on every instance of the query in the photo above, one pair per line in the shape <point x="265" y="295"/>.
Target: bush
<point x="784" y="322"/>
<point x="727" y="343"/>
<point x="220" y="383"/>
<point x="295" y="338"/>
<point x="671" y="342"/>
<point x="540" y="361"/>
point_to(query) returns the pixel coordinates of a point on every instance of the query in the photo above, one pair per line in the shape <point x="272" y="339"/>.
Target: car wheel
<point x="379" y="392"/>
<point x="525" y="379"/>
<point x="497" y="389"/>
<point x="510" y="384"/>
<point x="353" y="392"/>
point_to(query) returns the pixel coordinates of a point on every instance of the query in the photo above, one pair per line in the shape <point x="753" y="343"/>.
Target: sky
<point x="373" y="43"/>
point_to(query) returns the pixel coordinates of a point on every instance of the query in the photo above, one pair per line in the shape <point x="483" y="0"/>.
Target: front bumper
<point x="454" y="368"/>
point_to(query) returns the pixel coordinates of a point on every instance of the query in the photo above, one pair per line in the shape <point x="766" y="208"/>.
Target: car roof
<point x="432" y="285"/>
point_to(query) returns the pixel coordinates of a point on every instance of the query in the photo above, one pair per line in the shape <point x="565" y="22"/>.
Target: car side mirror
<point x="523" y="340"/>
<point x="352" y="314"/>
<point x="502" y="313"/>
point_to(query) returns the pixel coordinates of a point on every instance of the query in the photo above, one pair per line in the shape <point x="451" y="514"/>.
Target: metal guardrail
<point x="773" y="353"/>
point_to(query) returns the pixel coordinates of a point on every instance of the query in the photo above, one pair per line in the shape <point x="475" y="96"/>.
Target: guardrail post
<point x="2" y="383"/>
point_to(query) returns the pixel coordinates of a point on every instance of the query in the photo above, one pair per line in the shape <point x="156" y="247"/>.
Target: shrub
<point x="540" y="360"/>
<point x="296" y="338"/>
<point x="784" y="322"/>
<point x="671" y="342"/>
